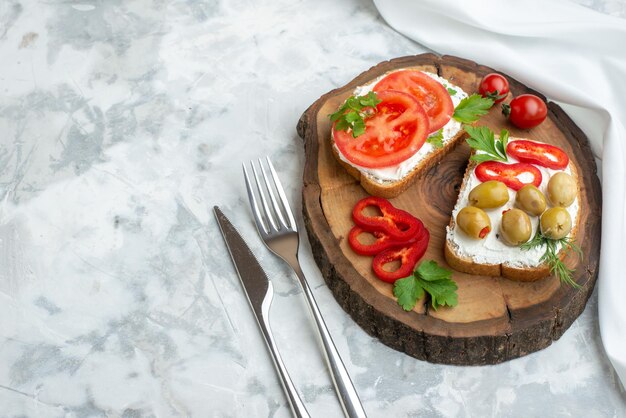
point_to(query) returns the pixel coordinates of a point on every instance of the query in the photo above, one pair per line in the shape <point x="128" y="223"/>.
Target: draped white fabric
<point x="577" y="58"/>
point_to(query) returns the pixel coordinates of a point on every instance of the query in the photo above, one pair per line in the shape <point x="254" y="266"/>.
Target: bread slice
<point x="462" y="260"/>
<point x="389" y="188"/>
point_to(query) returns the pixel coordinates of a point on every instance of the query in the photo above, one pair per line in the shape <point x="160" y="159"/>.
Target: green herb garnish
<point x="472" y="108"/>
<point x="451" y="91"/>
<point x="429" y="277"/>
<point x="436" y="139"/>
<point x="551" y="256"/>
<point x="483" y="139"/>
<point x="495" y="95"/>
<point x="352" y="114"/>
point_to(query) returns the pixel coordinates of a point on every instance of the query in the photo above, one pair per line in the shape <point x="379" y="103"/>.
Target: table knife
<point x="259" y="292"/>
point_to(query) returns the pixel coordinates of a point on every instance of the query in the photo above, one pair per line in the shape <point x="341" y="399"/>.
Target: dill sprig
<point x="551" y="256"/>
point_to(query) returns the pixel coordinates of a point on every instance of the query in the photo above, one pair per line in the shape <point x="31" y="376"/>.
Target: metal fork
<point x="279" y="232"/>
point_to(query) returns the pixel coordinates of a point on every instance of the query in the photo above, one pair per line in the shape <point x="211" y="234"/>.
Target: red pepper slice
<point x="397" y="223"/>
<point x="545" y="155"/>
<point x="408" y="255"/>
<point x="515" y="175"/>
<point x="383" y="240"/>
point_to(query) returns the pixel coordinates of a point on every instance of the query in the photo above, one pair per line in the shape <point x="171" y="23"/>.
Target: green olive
<point x="474" y="222"/>
<point x="488" y="195"/>
<point x="515" y="228"/>
<point x="562" y="190"/>
<point x="556" y="223"/>
<point x="530" y="200"/>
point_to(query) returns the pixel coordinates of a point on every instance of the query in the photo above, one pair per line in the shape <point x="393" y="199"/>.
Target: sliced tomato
<point x="395" y="132"/>
<point x="430" y="93"/>
<point x="515" y="175"/>
<point x="545" y="155"/>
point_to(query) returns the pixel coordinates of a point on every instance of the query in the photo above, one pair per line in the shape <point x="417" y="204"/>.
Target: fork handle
<point x="348" y="396"/>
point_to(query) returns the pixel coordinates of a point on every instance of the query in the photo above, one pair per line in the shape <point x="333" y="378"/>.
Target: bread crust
<point x="390" y="189"/>
<point x="529" y="274"/>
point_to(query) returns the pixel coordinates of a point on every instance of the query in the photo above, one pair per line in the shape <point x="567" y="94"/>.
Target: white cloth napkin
<point x="576" y="57"/>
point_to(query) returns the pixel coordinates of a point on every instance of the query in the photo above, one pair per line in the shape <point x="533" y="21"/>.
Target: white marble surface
<point x="122" y="123"/>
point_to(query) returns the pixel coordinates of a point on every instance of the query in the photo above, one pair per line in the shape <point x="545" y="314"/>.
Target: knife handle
<point x="348" y="396"/>
<point x="297" y="406"/>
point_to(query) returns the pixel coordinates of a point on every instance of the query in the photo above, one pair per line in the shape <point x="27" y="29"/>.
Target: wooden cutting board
<point x="496" y="319"/>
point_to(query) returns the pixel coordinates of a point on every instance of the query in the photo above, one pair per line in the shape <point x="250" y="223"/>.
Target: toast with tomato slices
<point x="392" y="188"/>
<point x="427" y="131"/>
<point x="492" y="255"/>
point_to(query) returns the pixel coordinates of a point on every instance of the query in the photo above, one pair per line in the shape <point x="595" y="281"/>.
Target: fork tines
<point x="272" y="216"/>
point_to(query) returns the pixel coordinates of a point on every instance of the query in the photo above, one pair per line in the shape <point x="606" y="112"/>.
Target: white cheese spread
<point x="397" y="172"/>
<point x="491" y="249"/>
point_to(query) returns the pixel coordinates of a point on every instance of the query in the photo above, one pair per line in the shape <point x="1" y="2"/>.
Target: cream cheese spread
<point x="491" y="249"/>
<point x="399" y="171"/>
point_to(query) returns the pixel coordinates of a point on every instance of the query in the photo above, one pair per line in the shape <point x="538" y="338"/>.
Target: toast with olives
<point x="480" y="256"/>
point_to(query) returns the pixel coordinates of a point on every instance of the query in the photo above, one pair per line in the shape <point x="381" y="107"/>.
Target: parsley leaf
<point x="429" y="278"/>
<point x="451" y="91"/>
<point x="472" y="108"/>
<point x="408" y="291"/>
<point x="442" y="292"/>
<point x="436" y="139"/>
<point x="551" y="255"/>
<point x="431" y="271"/>
<point x="504" y="139"/>
<point x="354" y="111"/>
<point x="370" y="100"/>
<point x="483" y="139"/>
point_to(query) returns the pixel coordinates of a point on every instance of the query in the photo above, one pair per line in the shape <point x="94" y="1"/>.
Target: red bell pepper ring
<point x="542" y="154"/>
<point x="383" y="240"/>
<point x="408" y="255"/>
<point x="397" y="223"/>
<point x="515" y="176"/>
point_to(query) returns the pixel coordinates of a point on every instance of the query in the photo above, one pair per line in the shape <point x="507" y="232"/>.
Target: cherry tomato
<point x="545" y="155"/>
<point x="395" y="132"/>
<point x="430" y="93"/>
<point x="526" y="111"/>
<point x="515" y="175"/>
<point x="494" y="86"/>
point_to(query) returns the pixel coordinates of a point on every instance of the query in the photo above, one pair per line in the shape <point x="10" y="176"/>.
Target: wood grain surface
<point x="496" y="319"/>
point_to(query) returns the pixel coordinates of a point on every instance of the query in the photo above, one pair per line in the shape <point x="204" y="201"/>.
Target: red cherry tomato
<point x="515" y="175"/>
<point x="395" y="132"/>
<point x="408" y="255"/>
<point x="430" y="93"/>
<point x="526" y="111"/>
<point x="494" y="86"/>
<point x="545" y="155"/>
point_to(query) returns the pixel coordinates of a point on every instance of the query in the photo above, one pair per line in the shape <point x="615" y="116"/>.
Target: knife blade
<point x="253" y="278"/>
<point x="259" y="292"/>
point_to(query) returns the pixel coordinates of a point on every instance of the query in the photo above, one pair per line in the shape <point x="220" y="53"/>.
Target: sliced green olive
<point x="562" y="190"/>
<point x="556" y="223"/>
<point x="515" y="228"/>
<point x="488" y="195"/>
<point x="474" y="222"/>
<point x="530" y="200"/>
